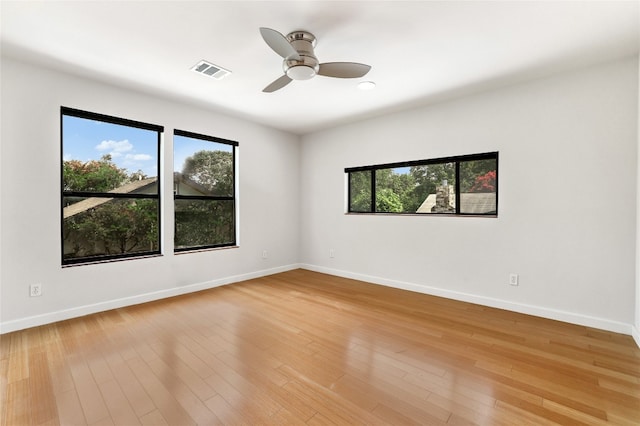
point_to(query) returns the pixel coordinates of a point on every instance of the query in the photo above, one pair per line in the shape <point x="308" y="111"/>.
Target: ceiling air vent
<point x="207" y="68"/>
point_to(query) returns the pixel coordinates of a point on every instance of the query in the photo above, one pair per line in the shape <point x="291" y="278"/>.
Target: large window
<point x="110" y="193"/>
<point x="463" y="185"/>
<point x="204" y="191"/>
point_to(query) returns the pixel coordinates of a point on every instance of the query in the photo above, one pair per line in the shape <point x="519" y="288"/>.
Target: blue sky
<point x="184" y="147"/>
<point x="130" y="148"/>
<point x="402" y="170"/>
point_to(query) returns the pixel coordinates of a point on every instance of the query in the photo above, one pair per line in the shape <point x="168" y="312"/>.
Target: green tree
<point x="211" y="169"/>
<point x="394" y="191"/>
<point x="388" y="201"/>
<point x="204" y="223"/>
<point x="471" y="170"/>
<point x="114" y="227"/>
<point x="207" y="222"/>
<point x="92" y="176"/>
<point x="360" y="197"/>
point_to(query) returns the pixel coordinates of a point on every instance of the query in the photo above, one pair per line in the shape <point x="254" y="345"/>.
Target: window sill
<point x="119" y="259"/>
<point x="199" y="250"/>
<point x="495" y="216"/>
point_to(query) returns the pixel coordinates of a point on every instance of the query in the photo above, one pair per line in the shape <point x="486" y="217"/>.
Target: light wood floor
<point x="307" y="348"/>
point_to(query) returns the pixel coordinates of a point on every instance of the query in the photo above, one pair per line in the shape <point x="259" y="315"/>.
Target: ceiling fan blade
<point x="343" y="69"/>
<point x="277" y="84"/>
<point x="279" y="43"/>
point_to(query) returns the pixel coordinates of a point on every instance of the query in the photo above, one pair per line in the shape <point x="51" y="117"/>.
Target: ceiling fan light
<point x="366" y="85"/>
<point x="301" y="72"/>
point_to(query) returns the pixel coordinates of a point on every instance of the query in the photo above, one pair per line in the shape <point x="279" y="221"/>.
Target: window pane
<point x="204" y="223"/>
<point x="103" y="157"/>
<point x="202" y="167"/>
<point x="393" y="187"/>
<point x="360" y="191"/>
<point x="478" y="184"/>
<point x="93" y="227"/>
<point x="433" y="188"/>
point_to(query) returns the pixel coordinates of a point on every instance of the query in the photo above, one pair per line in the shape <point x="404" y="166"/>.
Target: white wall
<point x="636" y="327"/>
<point x="568" y="215"/>
<point x="30" y="210"/>
<point x="567" y="209"/>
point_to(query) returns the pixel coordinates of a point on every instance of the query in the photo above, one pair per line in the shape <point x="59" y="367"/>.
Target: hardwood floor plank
<point x="395" y="417"/>
<point x="41" y="390"/>
<point x="285" y="417"/>
<point x="61" y="378"/>
<point x="182" y="372"/>
<point x="4" y="368"/>
<point x="227" y="414"/>
<point x="18" y="367"/>
<point x="69" y="408"/>
<point x="160" y="393"/>
<point x="525" y="417"/>
<point x="136" y="396"/>
<point x="154" y="418"/>
<point x="191" y="402"/>
<point x="329" y="405"/>
<point x="578" y="416"/>
<point x="89" y="394"/>
<point x="18" y="411"/>
<point x="306" y="348"/>
<point x="120" y="410"/>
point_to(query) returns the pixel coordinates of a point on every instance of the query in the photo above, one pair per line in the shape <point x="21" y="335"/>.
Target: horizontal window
<point x="463" y="185"/>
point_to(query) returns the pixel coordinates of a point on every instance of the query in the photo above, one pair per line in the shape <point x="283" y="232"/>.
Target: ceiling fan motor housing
<point x="307" y="65"/>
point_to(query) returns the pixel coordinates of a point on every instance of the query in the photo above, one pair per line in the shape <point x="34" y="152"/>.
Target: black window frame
<point x="233" y="198"/>
<point x="73" y="112"/>
<point x="494" y="155"/>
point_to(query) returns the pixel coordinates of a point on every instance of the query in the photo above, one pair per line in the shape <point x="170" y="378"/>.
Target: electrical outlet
<point x="513" y="279"/>
<point x="35" y="290"/>
<point x="332" y="253"/>
<point x="265" y="254"/>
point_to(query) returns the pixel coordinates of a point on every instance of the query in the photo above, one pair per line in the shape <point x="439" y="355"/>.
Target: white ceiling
<point x="420" y="51"/>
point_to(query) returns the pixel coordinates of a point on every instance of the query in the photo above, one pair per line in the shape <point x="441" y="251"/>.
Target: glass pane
<point x="360" y="191"/>
<point x="204" y="223"/>
<point x="103" y="157"/>
<point x="392" y="188"/>
<point x="416" y="189"/>
<point x="94" y="226"/>
<point x="202" y="167"/>
<point x="478" y="183"/>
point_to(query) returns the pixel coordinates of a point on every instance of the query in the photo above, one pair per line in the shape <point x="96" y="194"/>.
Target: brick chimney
<point x="445" y="199"/>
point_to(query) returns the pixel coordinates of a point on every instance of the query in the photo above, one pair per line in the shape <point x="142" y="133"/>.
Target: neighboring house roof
<point x="471" y="203"/>
<point x="186" y="186"/>
<point x="135" y="187"/>
<point x="478" y="202"/>
<point x="427" y="204"/>
<point x="140" y="186"/>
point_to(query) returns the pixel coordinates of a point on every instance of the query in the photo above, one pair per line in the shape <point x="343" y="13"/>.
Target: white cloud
<point x="115" y="146"/>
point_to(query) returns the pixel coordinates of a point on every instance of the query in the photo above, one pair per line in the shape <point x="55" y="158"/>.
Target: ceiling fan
<point x="300" y="63"/>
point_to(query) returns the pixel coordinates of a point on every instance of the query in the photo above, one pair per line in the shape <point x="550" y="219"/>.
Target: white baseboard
<point x="570" y="317"/>
<point x="636" y="335"/>
<point x="539" y="311"/>
<point x="50" y="317"/>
